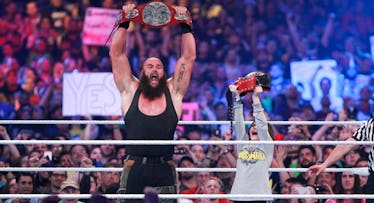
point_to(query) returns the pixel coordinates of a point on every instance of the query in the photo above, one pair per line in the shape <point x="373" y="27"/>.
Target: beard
<point x="152" y="92"/>
<point x="186" y="175"/>
<point x="306" y="164"/>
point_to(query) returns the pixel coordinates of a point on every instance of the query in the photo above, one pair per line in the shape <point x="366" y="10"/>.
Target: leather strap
<point x="263" y="80"/>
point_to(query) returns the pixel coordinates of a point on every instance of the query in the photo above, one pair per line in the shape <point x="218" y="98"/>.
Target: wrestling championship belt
<point x="246" y="84"/>
<point x="250" y="81"/>
<point x="154" y="14"/>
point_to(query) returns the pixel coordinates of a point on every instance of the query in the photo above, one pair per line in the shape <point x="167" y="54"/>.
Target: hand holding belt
<point x="246" y="84"/>
<point x="250" y="81"/>
<point x="154" y="14"/>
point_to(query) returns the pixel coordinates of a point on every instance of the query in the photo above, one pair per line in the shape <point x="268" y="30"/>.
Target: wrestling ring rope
<point x="358" y="171"/>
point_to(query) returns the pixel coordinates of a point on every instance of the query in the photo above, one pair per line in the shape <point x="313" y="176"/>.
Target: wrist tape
<point x="125" y="24"/>
<point x="185" y="28"/>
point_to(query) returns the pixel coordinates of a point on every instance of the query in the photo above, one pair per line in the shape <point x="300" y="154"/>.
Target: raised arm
<point x="239" y="125"/>
<point x="293" y="31"/>
<point x="259" y="114"/>
<point x="328" y="30"/>
<point x="183" y="69"/>
<point x="123" y="76"/>
<point x="320" y="133"/>
<point x="14" y="154"/>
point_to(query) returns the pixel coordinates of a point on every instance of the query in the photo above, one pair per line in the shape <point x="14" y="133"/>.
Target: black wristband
<point x="185" y="28"/>
<point x="125" y="25"/>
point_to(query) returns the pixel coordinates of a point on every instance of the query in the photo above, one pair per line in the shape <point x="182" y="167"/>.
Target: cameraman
<point x="324" y="184"/>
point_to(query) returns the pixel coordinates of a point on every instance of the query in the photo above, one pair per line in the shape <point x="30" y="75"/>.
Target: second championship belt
<point x="250" y="81"/>
<point x="246" y="84"/>
<point x="154" y="14"/>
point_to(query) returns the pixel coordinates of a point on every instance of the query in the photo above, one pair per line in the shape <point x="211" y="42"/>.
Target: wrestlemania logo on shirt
<point x="251" y="155"/>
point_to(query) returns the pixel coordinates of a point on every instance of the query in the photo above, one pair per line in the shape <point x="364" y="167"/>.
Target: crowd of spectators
<point x="40" y="40"/>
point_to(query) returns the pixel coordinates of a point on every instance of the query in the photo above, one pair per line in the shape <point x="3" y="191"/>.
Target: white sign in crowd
<point x="97" y="94"/>
<point x="90" y="93"/>
<point x="302" y="73"/>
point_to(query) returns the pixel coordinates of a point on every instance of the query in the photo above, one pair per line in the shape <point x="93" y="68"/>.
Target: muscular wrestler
<point x="152" y="106"/>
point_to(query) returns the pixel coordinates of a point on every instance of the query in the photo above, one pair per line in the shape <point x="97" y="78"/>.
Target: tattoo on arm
<point x="181" y="73"/>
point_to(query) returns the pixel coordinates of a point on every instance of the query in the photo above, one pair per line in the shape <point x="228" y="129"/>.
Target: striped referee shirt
<point x="366" y="133"/>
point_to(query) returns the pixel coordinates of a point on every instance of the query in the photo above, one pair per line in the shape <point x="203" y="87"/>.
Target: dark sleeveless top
<point x="144" y="127"/>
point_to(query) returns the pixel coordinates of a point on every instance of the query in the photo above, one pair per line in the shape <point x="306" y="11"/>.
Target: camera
<point x="180" y="151"/>
<point x="217" y="133"/>
<point x="48" y="155"/>
<point x="320" y="189"/>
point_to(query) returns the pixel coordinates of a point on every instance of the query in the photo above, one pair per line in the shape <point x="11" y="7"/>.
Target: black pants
<point x="370" y="187"/>
<point x="140" y="173"/>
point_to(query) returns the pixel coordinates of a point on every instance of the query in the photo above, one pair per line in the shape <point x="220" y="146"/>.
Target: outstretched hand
<point x="316" y="169"/>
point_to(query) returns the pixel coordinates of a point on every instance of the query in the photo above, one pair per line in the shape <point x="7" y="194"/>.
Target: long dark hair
<point x="340" y="190"/>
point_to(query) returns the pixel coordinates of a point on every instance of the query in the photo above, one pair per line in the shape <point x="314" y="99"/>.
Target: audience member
<point x="187" y="180"/>
<point x="26" y="185"/>
<point x="70" y="187"/>
<point x="56" y="178"/>
<point x="213" y="185"/>
<point x="346" y="183"/>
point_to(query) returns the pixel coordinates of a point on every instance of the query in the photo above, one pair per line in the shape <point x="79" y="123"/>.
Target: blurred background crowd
<point x="41" y="40"/>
